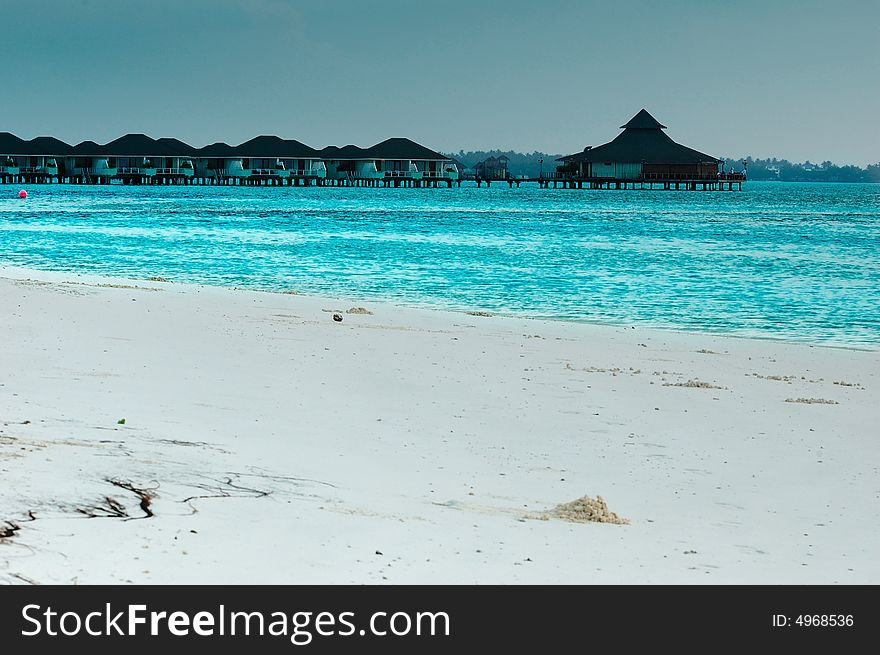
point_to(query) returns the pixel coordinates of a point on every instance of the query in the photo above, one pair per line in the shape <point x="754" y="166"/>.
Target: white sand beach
<point x="272" y="444"/>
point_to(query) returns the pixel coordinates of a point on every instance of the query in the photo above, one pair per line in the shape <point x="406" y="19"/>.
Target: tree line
<point x="786" y="171"/>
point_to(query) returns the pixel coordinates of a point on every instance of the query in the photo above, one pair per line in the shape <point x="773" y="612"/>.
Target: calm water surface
<point x="791" y="261"/>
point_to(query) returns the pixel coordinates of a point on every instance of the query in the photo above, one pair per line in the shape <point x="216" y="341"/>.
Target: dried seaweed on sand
<point x="586" y="510"/>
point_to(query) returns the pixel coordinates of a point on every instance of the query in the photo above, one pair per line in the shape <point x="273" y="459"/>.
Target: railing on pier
<point x="36" y="169"/>
<point x="174" y="171"/>
<point x="647" y="177"/>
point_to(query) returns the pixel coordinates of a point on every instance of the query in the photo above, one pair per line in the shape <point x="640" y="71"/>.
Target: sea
<point x="791" y="261"/>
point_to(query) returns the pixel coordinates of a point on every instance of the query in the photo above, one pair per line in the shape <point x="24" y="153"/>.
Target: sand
<point x="156" y="432"/>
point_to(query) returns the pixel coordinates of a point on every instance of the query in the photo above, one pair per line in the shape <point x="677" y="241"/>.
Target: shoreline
<point x="72" y="277"/>
<point x="415" y="446"/>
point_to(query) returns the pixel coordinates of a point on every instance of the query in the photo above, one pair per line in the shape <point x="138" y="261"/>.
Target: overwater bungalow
<point x="393" y="162"/>
<point x="641" y="156"/>
<point x="8" y="167"/>
<point x="88" y="164"/>
<point x="9" y="147"/>
<point x="140" y="159"/>
<point x="42" y="164"/>
<point x="349" y="165"/>
<point x="493" y="168"/>
<point x="399" y="154"/>
<point x="36" y="160"/>
<point x="218" y="163"/>
<point x="273" y="157"/>
<point x="262" y="160"/>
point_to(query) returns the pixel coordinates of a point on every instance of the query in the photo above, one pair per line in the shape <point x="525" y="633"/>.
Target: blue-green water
<point x="793" y="261"/>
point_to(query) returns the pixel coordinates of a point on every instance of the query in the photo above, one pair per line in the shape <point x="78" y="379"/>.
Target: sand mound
<point x="359" y="310"/>
<point x="586" y="510"/>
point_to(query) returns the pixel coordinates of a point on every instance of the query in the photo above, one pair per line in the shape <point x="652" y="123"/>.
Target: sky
<point x="793" y="79"/>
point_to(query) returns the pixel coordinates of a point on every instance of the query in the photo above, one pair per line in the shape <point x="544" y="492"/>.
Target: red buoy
<point x="22" y="194"/>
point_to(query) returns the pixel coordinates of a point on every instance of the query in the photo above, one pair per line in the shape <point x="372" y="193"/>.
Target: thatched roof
<point x="642" y="140"/>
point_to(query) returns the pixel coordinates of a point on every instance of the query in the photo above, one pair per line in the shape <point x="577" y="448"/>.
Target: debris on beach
<point x="8" y="530"/>
<point x="120" y="421"/>
<point x="337" y="318"/>
<point x="143" y="495"/>
<point x="112" y="285"/>
<point x="359" y="310"/>
<point x="812" y="401"/>
<point x="157" y="278"/>
<point x="480" y="313"/>
<point x="614" y="371"/>
<point x="585" y="510"/>
<point x="109" y="507"/>
<point x="693" y="384"/>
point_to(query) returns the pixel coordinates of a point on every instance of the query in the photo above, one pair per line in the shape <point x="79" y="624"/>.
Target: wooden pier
<point x="724" y="182"/>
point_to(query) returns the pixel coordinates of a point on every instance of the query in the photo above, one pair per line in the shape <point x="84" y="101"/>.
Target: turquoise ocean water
<point x="791" y="261"/>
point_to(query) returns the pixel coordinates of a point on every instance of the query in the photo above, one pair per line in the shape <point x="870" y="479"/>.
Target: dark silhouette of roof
<point x="218" y="150"/>
<point x="10" y="144"/>
<point x="273" y="146"/>
<point x="41" y="145"/>
<point x="401" y="148"/>
<point x="345" y="152"/>
<point x="643" y="121"/>
<point x="87" y="148"/>
<point x="143" y="145"/>
<point x="49" y="145"/>
<point x="170" y="147"/>
<point x="394" y="148"/>
<point x="261" y="146"/>
<point x="133" y="145"/>
<point x="642" y="140"/>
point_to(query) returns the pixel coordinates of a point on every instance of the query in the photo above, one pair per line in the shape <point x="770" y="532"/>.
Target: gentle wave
<point x="797" y="262"/>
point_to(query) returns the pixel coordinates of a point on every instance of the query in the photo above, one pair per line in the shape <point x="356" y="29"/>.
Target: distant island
<point x="530" y="165"/>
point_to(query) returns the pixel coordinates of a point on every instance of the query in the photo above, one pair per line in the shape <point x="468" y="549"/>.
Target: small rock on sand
<point x="337" y="318"/>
